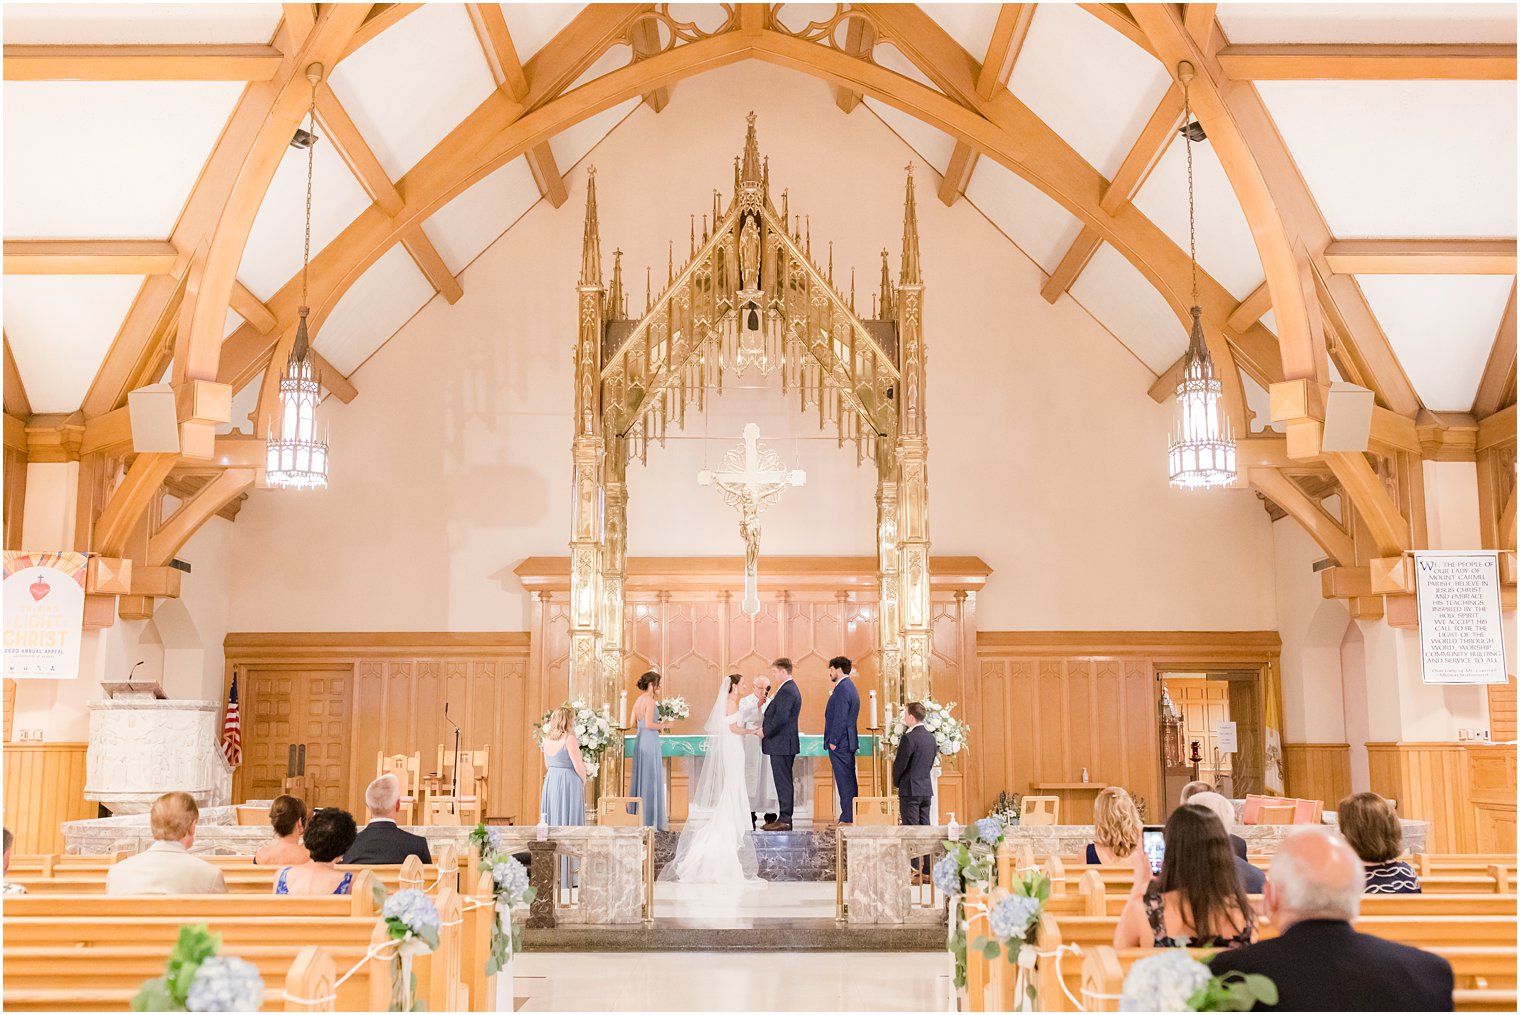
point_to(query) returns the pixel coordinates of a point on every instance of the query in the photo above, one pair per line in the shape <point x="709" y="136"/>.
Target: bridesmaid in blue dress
<point x="648" y="781"/>
<point x="563" y="800"/>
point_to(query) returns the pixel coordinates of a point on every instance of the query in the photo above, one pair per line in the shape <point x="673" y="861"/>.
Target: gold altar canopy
<point x="749" y="298"/>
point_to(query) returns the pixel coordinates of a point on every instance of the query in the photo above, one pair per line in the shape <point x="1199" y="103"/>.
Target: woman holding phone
<point x="1197" y="901"/>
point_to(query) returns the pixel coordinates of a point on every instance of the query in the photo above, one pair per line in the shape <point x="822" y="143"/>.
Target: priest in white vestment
<point x="757" y="770"/>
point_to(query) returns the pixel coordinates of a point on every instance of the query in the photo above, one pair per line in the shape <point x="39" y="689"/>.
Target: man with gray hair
<point x="1251" y="877"/>
<point x="1318" y="962"/>
<point x="382" y="841"/>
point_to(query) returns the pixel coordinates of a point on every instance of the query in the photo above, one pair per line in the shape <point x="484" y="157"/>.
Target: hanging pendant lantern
<point x="296" y="458"/>
<point x="1202" y="451"/>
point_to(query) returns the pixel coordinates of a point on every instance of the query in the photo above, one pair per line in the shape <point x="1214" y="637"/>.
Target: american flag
<point x="232" y="729"/>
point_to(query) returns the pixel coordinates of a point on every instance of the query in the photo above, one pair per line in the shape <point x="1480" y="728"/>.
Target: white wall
<point x="1312" y="629"/>
<point x="1047" y="457"/>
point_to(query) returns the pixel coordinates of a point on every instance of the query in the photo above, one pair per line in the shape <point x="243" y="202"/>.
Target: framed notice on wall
<point x="1461" y="626"/>
<point x="44" y="614"/>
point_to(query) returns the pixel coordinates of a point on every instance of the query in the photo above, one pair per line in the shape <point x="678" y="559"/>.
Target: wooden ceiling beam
<point x="1143" y="155"/>
<point x="171" y="537"/>
<point x="501" y="53"/>
<point x="432" y="264"/>
<point x="1008" y="36"/>
<point x="1363" y="62"/>
<point x="300" y="19"/>
<point x="89" y="257"/>
<point x="336" y="383"/>
<point x="1496" y="388"/>
<point x="859" y="40"/>
<point x="16" y="402"/>
<point x="546" y="174"/>
<point x="644" y="36"/>
<point x="1071" y="264"/>
<point x="1198" y="19"/>
<point x="251" y="309"/>
<point x="238" y="62"/>
<point x="380" y="18"/>
<point x="1286" y="494"/>
<point x="1251" y="309"/>
<point x="356" y="153"/>
<point x="1119" y="18"/>
<point x="1290" y="232"/>
<point x="1421" y="257"/>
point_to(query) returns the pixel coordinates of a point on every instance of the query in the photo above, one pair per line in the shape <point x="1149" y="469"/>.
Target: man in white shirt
<point x="757" y="769"/>
<point x="166" y="867"/>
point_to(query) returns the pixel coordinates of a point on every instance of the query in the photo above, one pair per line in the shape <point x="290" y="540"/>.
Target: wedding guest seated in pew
<point x="329" y="835"/>
<point x="1318" y="961"/>
<point x="11" y="889"/>
<point x="1198" y="901"/>
<point x="1251" y="876"/>
<point x="1370" y="825"/>
<point x="166" y="867"/>
<point x="1116" y="832"/>
<point x="287" y="816"/>
<point x="1195" y="787"/>
<point x="382" y="841"/>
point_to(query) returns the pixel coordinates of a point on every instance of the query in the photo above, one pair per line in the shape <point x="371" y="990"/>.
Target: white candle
<point x="873" y="710"/>
<point x="889" y="717"/>
<point x="623" y="710"/>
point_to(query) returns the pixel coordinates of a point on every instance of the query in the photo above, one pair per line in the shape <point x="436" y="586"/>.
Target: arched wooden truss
<point x="1321" y="315"/>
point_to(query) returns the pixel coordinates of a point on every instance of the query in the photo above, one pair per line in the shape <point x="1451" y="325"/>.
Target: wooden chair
<point x="465" y="808"/>
<point x="251" y="815"/>
<point x="614" y="811"/>
<point x="877" y="810"/>
<point x="407" y="768"/>
<point x="1040" y="810"/>
<point x="1308" y="812"/>
<point x="1276" y="814"/>
<point x="294" y="785"/>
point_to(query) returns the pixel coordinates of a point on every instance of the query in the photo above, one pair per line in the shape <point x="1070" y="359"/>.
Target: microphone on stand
<point x="133" y="670"/>
<point x="454" y="776"/>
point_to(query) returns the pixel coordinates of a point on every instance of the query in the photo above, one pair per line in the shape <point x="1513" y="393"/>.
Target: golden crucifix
<point x="751" y="479"/>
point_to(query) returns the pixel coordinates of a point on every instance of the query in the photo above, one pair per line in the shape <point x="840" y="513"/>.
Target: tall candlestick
<point x="623" y="710"/>
<point x="873" y="710"/>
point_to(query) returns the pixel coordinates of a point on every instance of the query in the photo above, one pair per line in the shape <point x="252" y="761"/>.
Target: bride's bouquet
<point x="593" y="731"/>
<point x="672" y="708"/>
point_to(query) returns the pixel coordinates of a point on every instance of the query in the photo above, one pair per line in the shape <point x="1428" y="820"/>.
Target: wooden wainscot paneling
<point x="1054" y="702"/>
<point x="1318" y="772"/>
<point x="1429" y="781"/>
<point x="385" y="691"/>
<point x="44" y="787"/>
<point x="1491" y="771"/>
<point x="1501" y="711"/>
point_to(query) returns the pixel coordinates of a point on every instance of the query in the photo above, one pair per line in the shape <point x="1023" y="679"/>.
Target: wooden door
<point x="1204" y="704"/>
<point x="307" y="706"/>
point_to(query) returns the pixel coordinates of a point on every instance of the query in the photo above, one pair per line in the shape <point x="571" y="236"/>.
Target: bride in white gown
<point x="716" y="846"/>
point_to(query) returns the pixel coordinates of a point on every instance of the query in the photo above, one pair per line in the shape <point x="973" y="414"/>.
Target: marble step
<point x="804" y="855"/>
<point x="802" y="935"/>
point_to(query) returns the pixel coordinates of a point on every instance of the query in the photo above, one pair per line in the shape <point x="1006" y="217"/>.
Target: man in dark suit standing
<point x="382" y="841"/>
<point x="779" y="740"/>
<point x="1318" y="961"/>
<point x="841" y="736"/>
<point x="912" y="774"/>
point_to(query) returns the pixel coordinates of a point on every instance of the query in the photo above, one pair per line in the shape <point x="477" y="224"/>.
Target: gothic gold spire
<point x="886" y="286"/>
<point x="615" y="298"/>
<point x="911" y="274"/>
<point x="591" y="243"/>
<point x="751" y="172"/>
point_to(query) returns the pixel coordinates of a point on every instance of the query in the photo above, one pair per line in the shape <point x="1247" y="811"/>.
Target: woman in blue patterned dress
<point x="1369" y="823"/>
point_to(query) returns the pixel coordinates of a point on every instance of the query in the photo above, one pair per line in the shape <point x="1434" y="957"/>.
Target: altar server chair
<point x="469" y="787"/>
<point x="407" y="768"/>
<point x="1040" y="810"/>
<point x="464" y="807"/>
<point x="620" y="811"/>
<point x="1308" y="812"/>
<point x="877" y="810"/>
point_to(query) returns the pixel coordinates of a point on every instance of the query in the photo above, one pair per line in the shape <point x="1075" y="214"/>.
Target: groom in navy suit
<point x="779" y="741"/>
<point x="842" y="736"/>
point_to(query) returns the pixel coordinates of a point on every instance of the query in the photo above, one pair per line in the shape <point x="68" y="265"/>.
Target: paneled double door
<point x="295" y="717"/>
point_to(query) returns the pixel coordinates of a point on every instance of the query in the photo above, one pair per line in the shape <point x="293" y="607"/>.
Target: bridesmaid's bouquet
<point x="672" y="708"/>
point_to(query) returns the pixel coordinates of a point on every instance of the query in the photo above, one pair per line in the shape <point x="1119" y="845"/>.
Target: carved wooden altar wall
<point x="683" y="619"/>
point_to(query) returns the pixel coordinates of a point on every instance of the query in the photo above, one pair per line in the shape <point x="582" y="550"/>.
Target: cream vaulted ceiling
<point x="1357" y="188"/>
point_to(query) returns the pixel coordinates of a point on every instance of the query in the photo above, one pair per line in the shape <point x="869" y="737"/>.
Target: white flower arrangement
<point x="414" y="923"/>
<point x="672" y="708"/>
<point x="951" y="735"/>
<point x="1173" y="980"/>
<point x="225" y="983"/>
<point x="510" y="888"/>
<point x="196" y="978"/>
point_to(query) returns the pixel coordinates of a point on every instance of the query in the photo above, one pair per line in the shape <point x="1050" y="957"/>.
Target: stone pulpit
<point x="142" y="746"/>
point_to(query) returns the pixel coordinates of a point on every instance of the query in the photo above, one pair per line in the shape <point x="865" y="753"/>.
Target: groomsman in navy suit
<point x="841" y="736"/>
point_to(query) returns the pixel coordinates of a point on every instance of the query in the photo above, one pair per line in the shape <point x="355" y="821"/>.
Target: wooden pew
<point x="479" y="916"/>
<point x="359" y="903"/>
<point x="1103" y="971"/>
<point x="1460" y="863"/>
<point x="36" y="979"/>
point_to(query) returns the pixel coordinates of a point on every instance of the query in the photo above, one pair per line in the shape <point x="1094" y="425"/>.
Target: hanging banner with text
<point x="1461" y="627"/>
<point x="44" y="614"/>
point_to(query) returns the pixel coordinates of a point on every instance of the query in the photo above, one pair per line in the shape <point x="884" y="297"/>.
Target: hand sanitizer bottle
<point x="543" y="830"/>
<point x="1084" y="775"/>
<point x="952" y="830"/>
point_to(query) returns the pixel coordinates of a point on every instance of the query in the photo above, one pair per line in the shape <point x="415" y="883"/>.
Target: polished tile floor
<point x="748" y="906"/>
<point x="731" y="981"/>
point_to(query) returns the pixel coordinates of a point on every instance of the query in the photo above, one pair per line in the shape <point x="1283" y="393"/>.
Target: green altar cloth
<point x="682" y="746"/>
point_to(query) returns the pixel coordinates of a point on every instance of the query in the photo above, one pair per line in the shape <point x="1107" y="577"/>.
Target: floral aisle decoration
<point x="951" y="735"/>
<point x="1012" y="919"/>
<point x="413" y="921"/>
<point x="970" y="860"/>
<point x="593" y="732"/>
<point x="510" y="888"/>
<point x="1175" y="981"/>
<point x="196" y="978"/>
<point x="671" y="709"/>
